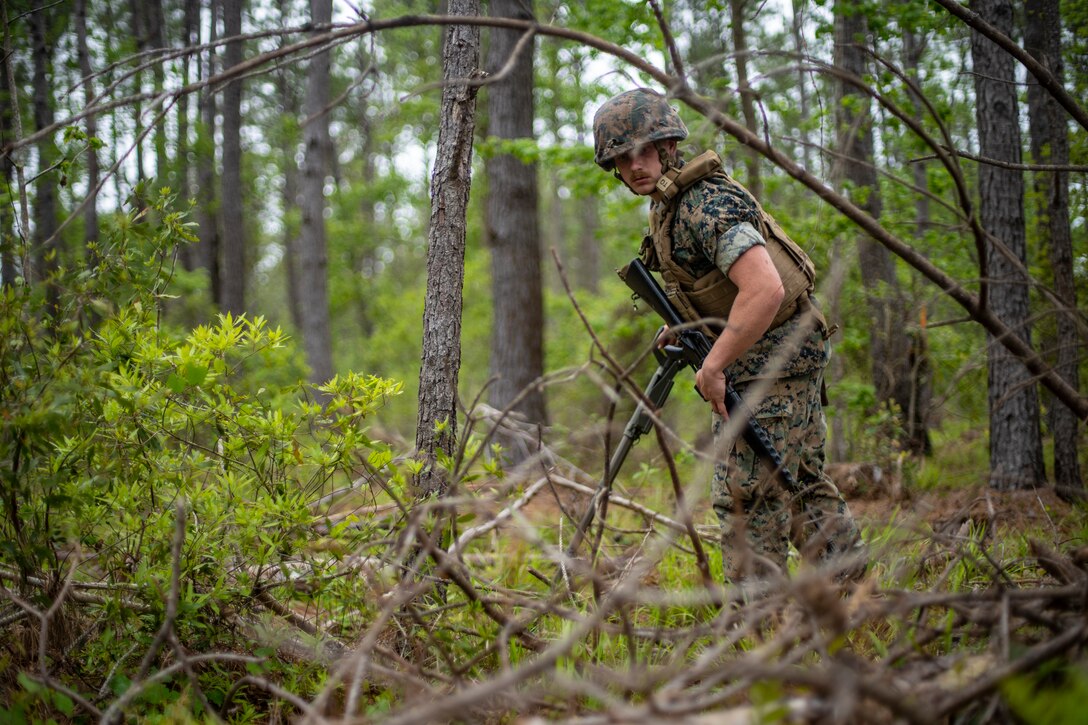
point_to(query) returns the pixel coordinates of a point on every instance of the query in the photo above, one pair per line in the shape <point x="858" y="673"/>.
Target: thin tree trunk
<point x="517" y="340"/>
<point x="46" y="247"/>
<point x="587" y="275"/>
<point x="1016" y="457"/>
<point x="555" y="232"/>
<point x="232" y="288"/>
<point x="888" y="341"/>
<point x="139" y="35"/>
<point x="289" y="101"/>
<point x="451" y="179"/>
<point x="90" y="214"/>
<point x="206" y="254"/>
<point x="754" y="181"/>
<point x="363" y="254"/>
<point x="311" y="265"/>
<point x="9" y="223"/>
<point x="913" y="48"/>
<point x="189" y="27"/>
<point x="1050" y="145"/>
<point x="920" y="394"/>
<point x="797" y="31"/>
<point x="156" y="40"/>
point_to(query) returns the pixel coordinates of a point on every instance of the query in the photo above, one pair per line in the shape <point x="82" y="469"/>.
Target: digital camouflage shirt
<point x="715" y="223"/>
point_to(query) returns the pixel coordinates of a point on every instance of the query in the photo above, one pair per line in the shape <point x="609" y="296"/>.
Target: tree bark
<point x="232" y="289"/>
<point x="451" y="179"/>
<point x="90" y="214"/>
<point x="754" y="181"/>
<point x="311" y="264"/>
<point x="288" y="84"/>
<point x="10" y="229"/>
<point x="1016" y="459"/>
<point x="517" y="339"/>
<point x="139" y="35"/>
<point x="921" y="371"/>
<point x="363" y="254"/>
<point x="796" y="30"/>
<point x="46" y="247"/>
<point x="1050" y="145"/>
<point x="206" y="252"/>
<point x="184" y="181"/>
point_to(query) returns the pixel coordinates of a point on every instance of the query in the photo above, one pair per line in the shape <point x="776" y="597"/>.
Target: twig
<point x="167" y="626"/>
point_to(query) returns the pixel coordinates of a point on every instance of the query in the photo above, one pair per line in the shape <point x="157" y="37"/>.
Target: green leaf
<point x="64" y="703"/>
<point x="196" y="374"/>
<point x="28" y="684"/>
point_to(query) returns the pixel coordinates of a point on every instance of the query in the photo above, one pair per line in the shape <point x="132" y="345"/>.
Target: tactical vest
<point x="713" y="294"/>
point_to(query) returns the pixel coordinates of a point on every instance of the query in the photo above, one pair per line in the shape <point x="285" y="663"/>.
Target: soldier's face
<point x="641" y="168"/>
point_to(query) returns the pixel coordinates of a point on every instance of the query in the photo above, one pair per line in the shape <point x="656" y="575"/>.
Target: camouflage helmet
<point x="631" y="119"/>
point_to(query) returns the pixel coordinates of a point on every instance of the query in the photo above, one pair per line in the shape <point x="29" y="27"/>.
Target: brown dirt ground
<point x="1035" y="512"/>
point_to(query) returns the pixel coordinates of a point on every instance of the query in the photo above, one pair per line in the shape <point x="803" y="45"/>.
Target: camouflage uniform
<point x="715" y="222"/>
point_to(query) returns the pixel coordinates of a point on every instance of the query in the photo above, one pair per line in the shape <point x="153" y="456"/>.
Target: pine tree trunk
<point x="184" y="180"/>
<point x="232" y="289"/>
<point x="139" y="36"/>
<point x="46" y="248"/>
<point x="1050" y="145"/>
<point x="1016" y="459"/>
<point x="311" y="264"/>
<point x="90" y="214"/>
<point x="292" y="108"/>
<point x="206" y="251"/>
<point x="796" y="30"/>
<point x="753" y="180"/>
<point x="517" y="335"/>
<point x="451" y="179"/>
<point x="9" y="226"/>
<point x="156" y="39"/>
<point x="916" y="415"/>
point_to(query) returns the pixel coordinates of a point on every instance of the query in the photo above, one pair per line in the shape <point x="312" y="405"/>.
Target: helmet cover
<point x="630" y="120"/>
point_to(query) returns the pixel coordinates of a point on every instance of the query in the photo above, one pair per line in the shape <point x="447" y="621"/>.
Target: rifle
<point x="691" y="348"/>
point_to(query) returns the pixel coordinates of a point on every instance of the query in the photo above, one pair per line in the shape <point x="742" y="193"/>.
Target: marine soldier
<point x="722" y="257"/>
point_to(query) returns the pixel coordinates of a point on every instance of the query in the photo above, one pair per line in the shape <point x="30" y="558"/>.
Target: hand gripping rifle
<point x="690" y="349"/>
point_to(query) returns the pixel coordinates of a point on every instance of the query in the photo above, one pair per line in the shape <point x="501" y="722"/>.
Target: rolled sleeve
<point x="735" y="241"/>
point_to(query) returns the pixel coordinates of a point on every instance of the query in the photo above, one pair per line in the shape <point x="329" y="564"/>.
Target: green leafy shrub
<point x="112" y="422"/>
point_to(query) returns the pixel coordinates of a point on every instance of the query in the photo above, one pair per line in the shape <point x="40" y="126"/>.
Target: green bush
<point x="112" y="423"/>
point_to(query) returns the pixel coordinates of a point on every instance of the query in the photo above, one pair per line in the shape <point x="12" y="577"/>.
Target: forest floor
<point x="964" y="509"/>
<point x="880" y="502"/>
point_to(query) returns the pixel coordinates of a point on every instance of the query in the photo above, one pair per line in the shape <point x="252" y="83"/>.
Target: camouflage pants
<point x="758" y="517"/>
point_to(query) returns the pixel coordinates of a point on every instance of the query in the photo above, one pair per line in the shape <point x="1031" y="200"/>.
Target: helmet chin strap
<point x="668" y="160"/>
<point x="616" y="173"/>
